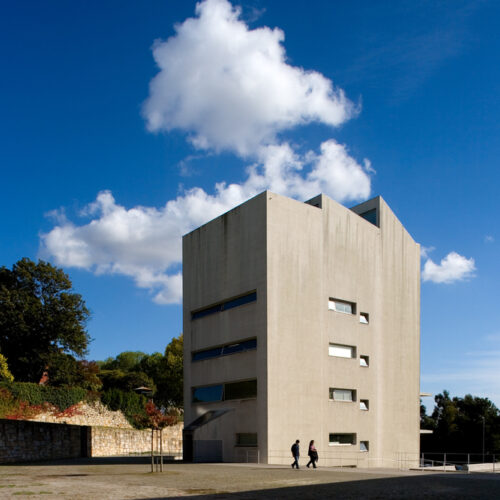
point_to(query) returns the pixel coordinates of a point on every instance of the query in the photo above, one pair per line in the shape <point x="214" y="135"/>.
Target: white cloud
<point x="453" y="267"/>
<point x="489" y="239"/>
<point x="425" y="251"/>
<point x="145" y="243"/>
<point x="231" y="87"/>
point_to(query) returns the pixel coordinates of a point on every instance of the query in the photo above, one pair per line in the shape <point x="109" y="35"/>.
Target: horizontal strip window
<point x="225" y="392"/>
<point x="341" y="306"/>
<point x="224" y="306"/>
<point x="343" y="395"/>
<point x="342" y="351"/>
<point x="342" y="439"/>
<point x="246" y="439"/>
<point x="225" y="350"/>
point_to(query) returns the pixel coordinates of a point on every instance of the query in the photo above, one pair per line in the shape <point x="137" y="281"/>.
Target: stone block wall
<point x="22" y="441"/>
<point x="107" y="441"/>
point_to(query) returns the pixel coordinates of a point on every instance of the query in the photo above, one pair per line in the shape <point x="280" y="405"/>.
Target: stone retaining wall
<point x="106" y="441"/>
<point x="24" y="441"/>
<point x="94" y="413"/>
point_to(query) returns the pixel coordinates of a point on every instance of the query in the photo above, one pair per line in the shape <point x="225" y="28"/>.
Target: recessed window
<point x="364" y="361"/>
<point x="208" y="394"/>
<point x="240" y="390"/>
<point x="341" y="306"/>
<point x="225" y="305"/>
<point x="348" y="395"/>
<point x="215" y="352"/>
<point x="364" y="318"/>
<point x="364" y="404"/>
<point x="342" y="439"/>
<point x="342" y="351"/>
<point x="364" y="446"/>
<point x="246" y="439"/>
<point x="370" y="216"/>
<point x="223" y="392"/>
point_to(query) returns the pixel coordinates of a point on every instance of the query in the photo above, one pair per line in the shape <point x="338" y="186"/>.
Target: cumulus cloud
<point x="454" y="267"/>
<point x="231" y="88"/>
<point x="145" y="242"/>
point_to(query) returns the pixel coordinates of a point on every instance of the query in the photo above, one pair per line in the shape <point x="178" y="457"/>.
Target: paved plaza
<point x="130" y="478"/>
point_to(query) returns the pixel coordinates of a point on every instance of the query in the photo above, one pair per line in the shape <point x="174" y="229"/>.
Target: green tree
<point x="127" y="361"/>
<point x="125" y="381"/>
<point x="170" y="387"/>
<point x="426" y="422"/>
<point x="40" y="317"/>
<point x="458" y="425"/>
<point x="5" y="374"/>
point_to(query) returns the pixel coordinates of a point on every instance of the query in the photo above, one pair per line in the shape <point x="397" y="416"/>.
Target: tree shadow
<point x="451" y="486"/>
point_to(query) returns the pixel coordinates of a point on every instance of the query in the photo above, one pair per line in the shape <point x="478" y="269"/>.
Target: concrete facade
<point x="289" y="261"/>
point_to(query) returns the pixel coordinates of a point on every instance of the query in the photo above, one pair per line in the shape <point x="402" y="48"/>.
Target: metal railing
<point x="248" y="456"/>
<point x="467" y="462"/>
<point x="344" y="458"/>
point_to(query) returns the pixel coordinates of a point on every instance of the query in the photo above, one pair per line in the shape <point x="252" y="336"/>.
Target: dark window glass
<point x="240" y="390"/>
<point x="370" y="216"/>
<point x="343" y="438"/>
<point x="206" y="312"/>
<point x="209" y="353"/>
<point x="207" y="394"/>
<point x="246" y="439"/>
<point x="251" y="297"/>
<point x="240" y="346"/>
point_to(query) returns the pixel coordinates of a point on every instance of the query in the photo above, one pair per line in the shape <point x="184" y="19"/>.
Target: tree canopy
<point x="161" y="373"/>
<point x="41" y="317"/>
<point x="458" y="424"/>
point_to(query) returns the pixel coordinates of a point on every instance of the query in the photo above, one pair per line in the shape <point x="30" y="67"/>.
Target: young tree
<point x="40" y="317"/>
<point x="157" y="419"/>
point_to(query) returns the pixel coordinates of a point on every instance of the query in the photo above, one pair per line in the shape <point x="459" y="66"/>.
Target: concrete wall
<point x="331" y="252"/>
<point x="213" y="271"/>
<point x="297" y="256"/>
<point x="22" y="441"/>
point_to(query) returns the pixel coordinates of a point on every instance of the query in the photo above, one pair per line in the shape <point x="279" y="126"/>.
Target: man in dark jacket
<point x="295" y="454"/>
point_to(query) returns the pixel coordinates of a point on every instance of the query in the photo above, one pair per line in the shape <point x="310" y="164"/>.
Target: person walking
<point x="313" y="454"/>
<point x="295" y="454"/>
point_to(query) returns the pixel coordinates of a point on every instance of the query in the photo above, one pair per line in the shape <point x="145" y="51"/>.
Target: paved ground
<point x="101" y="479"/>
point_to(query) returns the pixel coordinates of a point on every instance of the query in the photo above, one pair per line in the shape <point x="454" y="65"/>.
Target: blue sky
<point x="113" y="145"/>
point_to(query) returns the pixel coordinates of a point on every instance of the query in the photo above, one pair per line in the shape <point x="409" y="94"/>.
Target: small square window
<point x="341" y="306"/>
<point x="342" y="351"/>
<point x="364" y="446"/>
<point x="364" y="361"/>
<point x="364" y="318"/>
<point x="348" y="395"/>
<point x="364" y="404"/>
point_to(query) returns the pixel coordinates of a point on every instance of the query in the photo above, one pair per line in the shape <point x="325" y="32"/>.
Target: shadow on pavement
<point x="429" y="487"/>
<point x="128" y="460"/>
